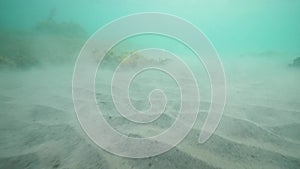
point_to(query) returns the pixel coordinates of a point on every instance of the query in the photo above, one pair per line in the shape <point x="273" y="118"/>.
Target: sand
<point x="259" y="128"/>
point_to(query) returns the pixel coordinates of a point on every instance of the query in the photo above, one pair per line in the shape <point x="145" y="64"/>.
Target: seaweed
<point x="15" y="50"/>
<point x="130" y="59"/>
<point x="19" y="61"/>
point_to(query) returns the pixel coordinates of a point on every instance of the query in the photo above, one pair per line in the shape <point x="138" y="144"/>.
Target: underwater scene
<point x="128" y="84"/>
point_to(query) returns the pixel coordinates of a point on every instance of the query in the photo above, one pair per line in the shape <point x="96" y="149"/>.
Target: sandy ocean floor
<point x="259" y="128"/>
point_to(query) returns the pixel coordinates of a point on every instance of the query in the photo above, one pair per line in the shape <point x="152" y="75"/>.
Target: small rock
<point x="296" y="62"/>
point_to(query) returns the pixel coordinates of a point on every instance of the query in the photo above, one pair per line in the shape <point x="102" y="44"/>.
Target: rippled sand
<point x="259" y="128"/>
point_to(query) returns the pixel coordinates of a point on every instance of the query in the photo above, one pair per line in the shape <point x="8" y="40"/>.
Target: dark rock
<point x="296" y="62"/>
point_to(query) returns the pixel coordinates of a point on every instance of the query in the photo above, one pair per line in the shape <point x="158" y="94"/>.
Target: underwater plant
<point x="20" y="61"/>
<point x="130" y="59"/>
<point x="15" y="50"/>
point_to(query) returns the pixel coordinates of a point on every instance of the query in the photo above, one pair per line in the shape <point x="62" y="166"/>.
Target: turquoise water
<point x="232" y="25"/>
<point x="258" y="43"/>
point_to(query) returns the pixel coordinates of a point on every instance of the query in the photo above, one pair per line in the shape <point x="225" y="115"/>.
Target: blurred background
<point x="258" y="43"/>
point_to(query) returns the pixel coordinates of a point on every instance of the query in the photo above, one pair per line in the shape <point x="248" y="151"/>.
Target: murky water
<point x="258" y="44"/>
